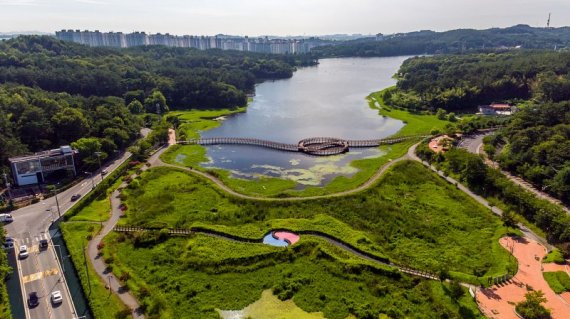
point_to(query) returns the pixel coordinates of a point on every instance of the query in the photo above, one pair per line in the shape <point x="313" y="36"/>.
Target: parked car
<point x="24" y="251"/>
<point x="44" y="244"/>
<point x="6" y="218"/>
<point x="33" y="300"/>
<point x="75" y="197"/>
<point x="8" y="245"/>
<point x="56" y="297"/>
<point x="104" y="172"/>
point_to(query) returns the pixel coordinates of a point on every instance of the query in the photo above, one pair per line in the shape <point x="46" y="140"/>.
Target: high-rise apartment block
<point x="122" y="40"/>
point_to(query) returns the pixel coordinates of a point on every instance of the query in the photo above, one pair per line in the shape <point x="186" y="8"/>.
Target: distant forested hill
<point x="461" y="82"/>
<point x="454" y="41"/>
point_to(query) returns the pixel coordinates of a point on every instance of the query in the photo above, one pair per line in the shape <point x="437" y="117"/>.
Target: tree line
<point x="462" y="82"/>
<point x="188" y="78"/>
<point x="450" y="42"/>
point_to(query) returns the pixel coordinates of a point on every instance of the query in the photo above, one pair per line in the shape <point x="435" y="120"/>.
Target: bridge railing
<point x="295" y="147"/>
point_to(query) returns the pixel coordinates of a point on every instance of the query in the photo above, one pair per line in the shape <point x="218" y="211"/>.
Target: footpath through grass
<point x="102" y="304"/>
<point x="412" y="217"/>
<point x="191" y="278"/>
<point x="193" y="155"/>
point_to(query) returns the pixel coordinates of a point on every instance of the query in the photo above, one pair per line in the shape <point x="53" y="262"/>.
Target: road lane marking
<point x="40" y="275"/>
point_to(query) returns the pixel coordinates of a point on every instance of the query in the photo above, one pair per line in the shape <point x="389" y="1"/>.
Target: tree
<point x="135" y="107"/>
<point x="156" y="102"/>
<point x="69" y="125"/>
<point x="532" y="308"/>
<point x="508" y="218"/>
<point x="456" y="290"/>
<point x="88" y="147"/>
<point x="441" y="114"/>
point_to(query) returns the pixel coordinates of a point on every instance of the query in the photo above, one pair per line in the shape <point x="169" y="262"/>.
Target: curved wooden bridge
<point x="321" y="146"/>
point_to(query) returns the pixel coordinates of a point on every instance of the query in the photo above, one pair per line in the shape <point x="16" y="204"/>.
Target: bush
<point x="532" y="308"/>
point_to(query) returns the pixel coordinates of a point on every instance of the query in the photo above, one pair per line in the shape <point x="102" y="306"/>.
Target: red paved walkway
<point x="497" y="302"/>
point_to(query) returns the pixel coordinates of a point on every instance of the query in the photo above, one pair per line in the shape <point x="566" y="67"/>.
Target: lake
<point x="325" y="100"/>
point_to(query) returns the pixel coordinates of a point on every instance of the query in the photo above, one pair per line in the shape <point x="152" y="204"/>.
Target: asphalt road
<point x="40" y="271"/>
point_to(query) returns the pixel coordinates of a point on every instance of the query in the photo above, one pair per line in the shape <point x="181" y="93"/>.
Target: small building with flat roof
<point x="33" y="169"/>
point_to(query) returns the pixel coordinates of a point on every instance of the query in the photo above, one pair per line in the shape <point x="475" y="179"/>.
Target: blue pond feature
<point x="270" y="240"/>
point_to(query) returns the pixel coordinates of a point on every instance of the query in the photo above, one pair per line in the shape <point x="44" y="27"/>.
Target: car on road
<point x="33" y="300"/>
<point x="75" y="197"/>
<point x="8" y="245"/>
<point x="56" y="297"/>
<point x="24" y="251"/>
<point x="104" y="172"/>
<point x="44" y="244"/>
<point x="6" y="218"/>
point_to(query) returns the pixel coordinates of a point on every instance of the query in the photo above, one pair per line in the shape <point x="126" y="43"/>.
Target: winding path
<point x="332" y="240"/>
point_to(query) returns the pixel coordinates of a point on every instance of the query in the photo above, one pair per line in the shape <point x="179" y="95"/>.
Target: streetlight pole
<point x="91" y="177"/>
<point x="57" y="203"/>
<point x="98" y="154"/>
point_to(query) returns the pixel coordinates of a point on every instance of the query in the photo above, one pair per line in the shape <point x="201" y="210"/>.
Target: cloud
<point x="92" y="1"/>
<point x="17" y="2"/>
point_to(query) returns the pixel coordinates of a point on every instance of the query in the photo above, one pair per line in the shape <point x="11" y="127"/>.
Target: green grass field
<point x="559" y="281"/>
<point x="191" y="278"/>
<point x="554" y="256"/>
<point x="103" y="305"/>
<point x="412" y="217"/>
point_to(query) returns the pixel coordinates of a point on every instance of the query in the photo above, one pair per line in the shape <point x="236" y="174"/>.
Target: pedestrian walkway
<point x="101" y="268"/>
<point x="498" y="301"/>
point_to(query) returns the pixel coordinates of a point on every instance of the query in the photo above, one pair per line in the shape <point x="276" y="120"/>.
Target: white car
<point x="56" y="297"/>
<point x="24" y="251"/>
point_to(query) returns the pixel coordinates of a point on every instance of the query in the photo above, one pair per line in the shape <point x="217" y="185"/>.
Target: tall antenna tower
<point x="548" y="22"/>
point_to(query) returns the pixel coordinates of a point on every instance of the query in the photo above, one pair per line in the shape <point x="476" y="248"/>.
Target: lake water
<point x="325" y="100"/>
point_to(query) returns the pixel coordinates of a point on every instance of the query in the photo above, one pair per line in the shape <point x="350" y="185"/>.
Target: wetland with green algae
<point x="436" y="227"/>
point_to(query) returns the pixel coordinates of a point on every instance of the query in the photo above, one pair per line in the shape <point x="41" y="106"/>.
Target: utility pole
<point x="548" y="22"/>
<point x="91" y="177"/>
<point x="7" y="186"/>
<point x="57" y="202"/>
<point x="98" y="154"/>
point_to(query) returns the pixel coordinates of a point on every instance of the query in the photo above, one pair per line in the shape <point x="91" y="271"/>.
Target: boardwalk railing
<point x="313" y="145"/>
<point x="339" y="243"/>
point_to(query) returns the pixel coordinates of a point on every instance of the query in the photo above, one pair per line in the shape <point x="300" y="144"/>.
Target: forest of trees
<point x="536" y="146"/>
<point x="454" y="41"/>
<point x="461" y="82"/>
<point x="54" y="93"/>
<point x="535" y="141"/>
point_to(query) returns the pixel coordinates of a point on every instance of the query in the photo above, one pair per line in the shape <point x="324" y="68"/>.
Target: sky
<point x="276" y="17"/>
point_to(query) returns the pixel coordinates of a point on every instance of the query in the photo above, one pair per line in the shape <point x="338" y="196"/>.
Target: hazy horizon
<point x="276" y="17"/>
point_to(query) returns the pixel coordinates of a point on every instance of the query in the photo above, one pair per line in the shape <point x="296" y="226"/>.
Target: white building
<point x="33" y="169"/>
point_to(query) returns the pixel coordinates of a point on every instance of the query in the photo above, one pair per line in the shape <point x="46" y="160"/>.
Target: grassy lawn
<point x="415" y="123"/>
<point x="103" y="305"/>
<point x="192" y="277"/>
<point x="555" y="256"/>
<point x="192" y="155"/>
<point x="559" y="281"/>
<point x="412" y="217"/>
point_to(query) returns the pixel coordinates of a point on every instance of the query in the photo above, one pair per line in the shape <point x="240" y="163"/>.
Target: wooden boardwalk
<point x="321" y="146"/>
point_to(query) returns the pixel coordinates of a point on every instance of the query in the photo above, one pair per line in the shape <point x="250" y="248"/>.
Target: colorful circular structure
<point x="281" y="238"/>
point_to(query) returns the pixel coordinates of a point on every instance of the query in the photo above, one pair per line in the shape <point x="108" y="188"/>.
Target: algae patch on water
<point x="269" y="306"/>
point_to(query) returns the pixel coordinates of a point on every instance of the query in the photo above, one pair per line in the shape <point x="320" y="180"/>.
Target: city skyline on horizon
<point x="276" y="17"/>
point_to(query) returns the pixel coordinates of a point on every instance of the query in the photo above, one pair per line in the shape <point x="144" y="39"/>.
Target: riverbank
<point x="192" y="156"/>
